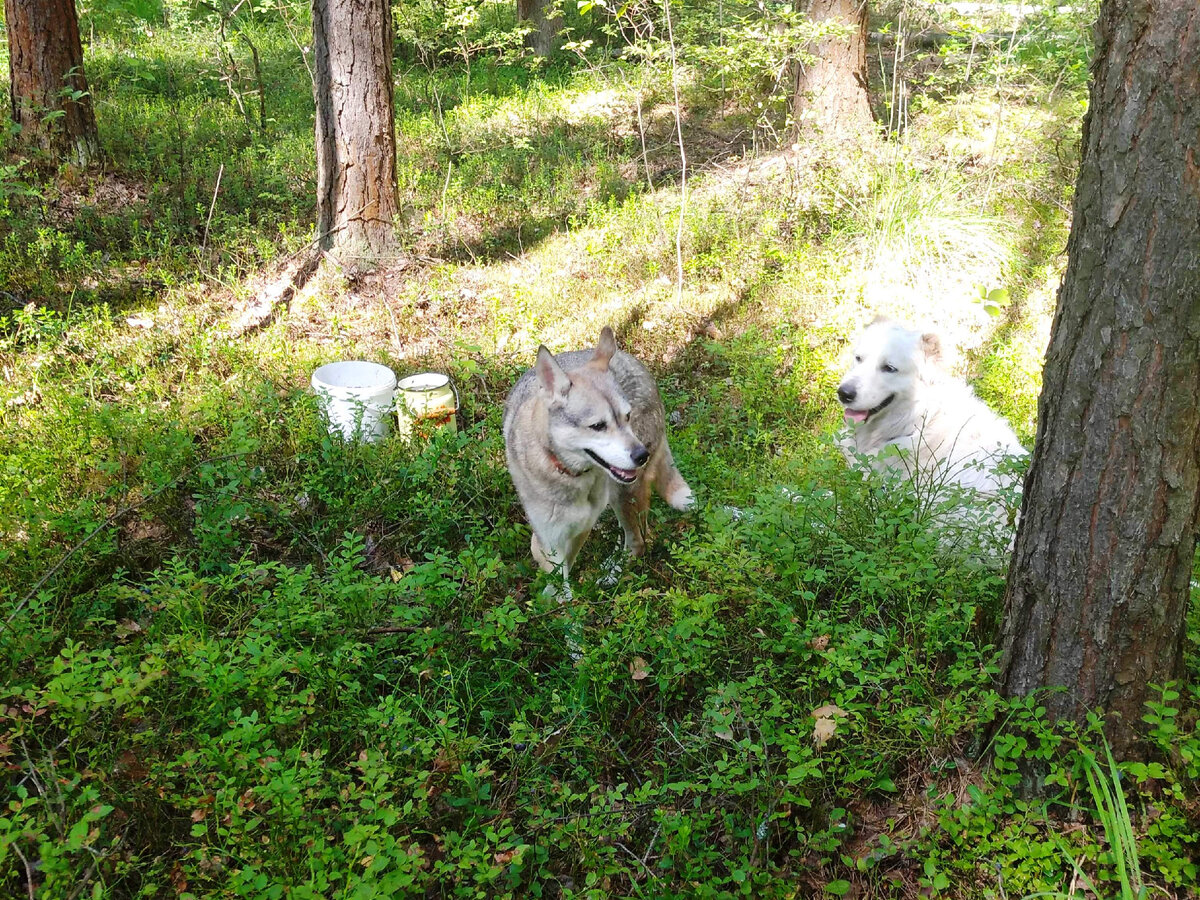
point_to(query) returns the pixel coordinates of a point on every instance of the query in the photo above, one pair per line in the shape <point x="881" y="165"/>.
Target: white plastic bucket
<point x="356" y="397"/>
<point x="425" y="402"/>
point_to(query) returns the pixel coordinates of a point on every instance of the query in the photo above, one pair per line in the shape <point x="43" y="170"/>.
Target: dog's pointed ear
<point x="550" y="375"/>
<point x="605" y="348"/>
<point x="931" y="346"/>
<point x="879" y="319"/>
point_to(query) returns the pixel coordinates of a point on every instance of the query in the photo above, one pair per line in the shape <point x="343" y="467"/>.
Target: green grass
<point x="272" y="664"/>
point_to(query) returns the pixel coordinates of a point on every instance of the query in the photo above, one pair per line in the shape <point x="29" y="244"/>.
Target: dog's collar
<point x="558" y="464"/>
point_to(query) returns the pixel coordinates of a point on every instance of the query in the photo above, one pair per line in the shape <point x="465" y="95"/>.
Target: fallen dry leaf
<point x="128" y="765"/>
<point x="127" y="627"/>
<point x="823" y="730"/>
<point x="819" y="643"/>
<point x="638" y="669"/>
<point x="826" y="725"/>
<point x="828" y="710"/>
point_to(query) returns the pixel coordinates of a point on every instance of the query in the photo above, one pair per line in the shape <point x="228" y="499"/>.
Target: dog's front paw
<point x="682" y="498"/>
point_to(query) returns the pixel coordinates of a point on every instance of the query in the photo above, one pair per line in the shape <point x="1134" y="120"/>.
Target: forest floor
<point x="243" y="658"/>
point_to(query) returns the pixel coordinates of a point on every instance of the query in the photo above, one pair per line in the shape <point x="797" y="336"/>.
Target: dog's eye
<point x="888" y="367"/>
<point x="598" y="426"/>
<point x="626" y="417"/>
<point x="858" y="359"/>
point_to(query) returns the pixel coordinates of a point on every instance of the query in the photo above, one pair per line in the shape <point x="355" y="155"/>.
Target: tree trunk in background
<point x="356" y="127"/>
<point x="830" y="93"/>
<point x="1099" y="585"/>
<point x="50" y="99"/>
<point x="543" y="40"/>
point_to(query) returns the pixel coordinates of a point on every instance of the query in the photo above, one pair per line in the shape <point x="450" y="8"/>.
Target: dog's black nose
<point x="639" y="456"/>
<point x="847" y="393"/>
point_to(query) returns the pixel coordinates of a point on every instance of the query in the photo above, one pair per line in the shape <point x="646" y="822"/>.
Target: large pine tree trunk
<point x="356" y="127"/>
<point x="1099" y="585"/>
<point x="543" y="39"/>
<point x="49" y="93"/>
<point x="830" y="93"/>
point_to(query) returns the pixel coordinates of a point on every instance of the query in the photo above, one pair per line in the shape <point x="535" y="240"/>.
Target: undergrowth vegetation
<point x="245" y="659"/>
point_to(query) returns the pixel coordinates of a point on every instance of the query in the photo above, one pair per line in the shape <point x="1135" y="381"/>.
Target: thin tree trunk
<point x="830" y="93"/>
<point x="356" y="127"/>
<point x="1099" y="585"/>
<point x="49" y="93"/>
<point x="543" y="39"/>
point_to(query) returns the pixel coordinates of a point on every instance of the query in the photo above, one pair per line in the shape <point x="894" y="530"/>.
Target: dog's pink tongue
<point x="856" y="415"/>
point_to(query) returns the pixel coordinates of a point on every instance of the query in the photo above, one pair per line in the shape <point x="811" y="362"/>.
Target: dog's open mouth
<point x="625" y="476"/>
<point x="861" y="415"/>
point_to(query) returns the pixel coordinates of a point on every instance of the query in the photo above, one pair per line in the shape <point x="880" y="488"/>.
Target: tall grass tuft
<point x="1112" y="812"/>
<point x="916" y="227"/>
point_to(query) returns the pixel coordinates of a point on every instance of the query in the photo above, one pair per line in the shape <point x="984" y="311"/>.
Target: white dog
<point x="904" y="412"/>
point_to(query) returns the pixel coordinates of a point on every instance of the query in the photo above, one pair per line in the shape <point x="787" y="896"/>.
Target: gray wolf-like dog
<point x="584" y="430"/>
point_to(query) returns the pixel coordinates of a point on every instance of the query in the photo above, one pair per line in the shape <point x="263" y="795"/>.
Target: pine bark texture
<point x="356" y="126"/>
<point x="1099" y="585"/>
<point x="830" y="93"/>
<point x="45" y="61"/>
<point x="543" y="39"/>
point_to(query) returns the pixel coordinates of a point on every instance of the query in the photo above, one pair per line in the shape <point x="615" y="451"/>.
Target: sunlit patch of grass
<point x="917" y="224"/>
<point x="1010" y="380"/>
<point x="921" y="245"/>
<point x="987" y="133"/>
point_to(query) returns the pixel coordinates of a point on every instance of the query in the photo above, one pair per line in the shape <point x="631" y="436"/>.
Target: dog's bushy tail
<point x="670" y="484"/>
